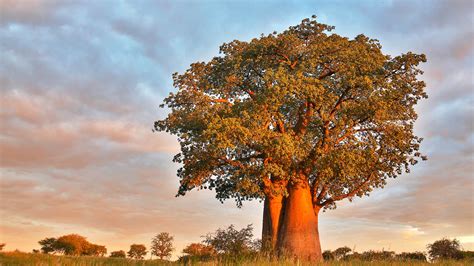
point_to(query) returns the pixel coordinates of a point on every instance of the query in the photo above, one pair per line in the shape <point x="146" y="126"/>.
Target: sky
<point x="81" y="82"/>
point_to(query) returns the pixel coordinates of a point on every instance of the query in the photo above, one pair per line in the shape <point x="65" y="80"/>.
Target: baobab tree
<point x="300" y="119"/>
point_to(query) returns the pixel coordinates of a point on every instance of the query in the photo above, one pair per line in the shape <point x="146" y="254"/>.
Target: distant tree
<point x="445" y="249"/>
<point x="411" y="256"/>
<point x="118" y="254"/>
<point x="2" y="245"/>
<point x="328" y="255"/>
<point x="199" y="250"/>
<point x="94" y="250"/>
<point x="48" y="245"/>
<point x="305" y="116"/>
<point x="162" y="245"/>
<point x="341" y="253"/>
<point x="72" y="244"/>
<point x="35" y="251"/>
<point x="137" y="251"/>
<point x="231" y="241"/>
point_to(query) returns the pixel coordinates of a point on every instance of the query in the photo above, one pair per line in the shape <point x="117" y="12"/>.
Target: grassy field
<point x="20" y="258"/>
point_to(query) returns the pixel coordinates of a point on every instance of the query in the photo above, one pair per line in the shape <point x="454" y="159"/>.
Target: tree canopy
<point x="72" y="244"/>
<point x="137" y="251"/>
<point x="445" y="249"/>
<point x="301" y="105"/>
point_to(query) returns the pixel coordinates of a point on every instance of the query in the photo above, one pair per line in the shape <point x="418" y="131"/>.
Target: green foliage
<point x="48" y="245"/>
<point x="137" y="251"/>
<point x="445" y="249"/>
<point x="231" y="241"/>
<point x="162" y="245"/>
<point x="303" y="104"/>
<point x="118" y="254"/>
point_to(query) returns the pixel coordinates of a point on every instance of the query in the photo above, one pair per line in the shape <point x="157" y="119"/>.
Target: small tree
<point x="2" y="245"/>
<point x="137" y="251"/>
<point x="341" y="253"/>
<point x="445" y="249"/>
<point x="162" y="245"/>
<point x="231" y="241"/>
<point x="48" y="245"/>
<point x="118" y="254"/>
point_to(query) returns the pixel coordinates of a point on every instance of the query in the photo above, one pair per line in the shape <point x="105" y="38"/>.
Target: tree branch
<point x="349" y="194"/>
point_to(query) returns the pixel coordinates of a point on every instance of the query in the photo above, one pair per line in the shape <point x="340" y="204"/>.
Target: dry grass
<point x="21" y="258"/>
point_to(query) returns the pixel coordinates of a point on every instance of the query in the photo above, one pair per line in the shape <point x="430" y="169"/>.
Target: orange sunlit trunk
<point x="271" y="220"/>
<point x="298" y="234"/>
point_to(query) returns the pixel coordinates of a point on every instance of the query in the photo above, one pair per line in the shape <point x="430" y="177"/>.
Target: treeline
<point x="234" y="244"/>
<point x="444" y="249"/>
<point x="77" y="245"/>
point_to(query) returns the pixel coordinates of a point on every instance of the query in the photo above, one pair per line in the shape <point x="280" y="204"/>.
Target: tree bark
<point x="298" y="235"/>
<point x="271" y="221"/>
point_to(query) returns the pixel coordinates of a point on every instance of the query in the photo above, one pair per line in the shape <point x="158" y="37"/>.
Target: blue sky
<point x="81" y="82"/>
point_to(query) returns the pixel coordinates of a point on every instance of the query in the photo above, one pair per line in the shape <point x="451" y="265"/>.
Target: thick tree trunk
<point x="298" y="235"/>
<point x="271" y="220"/>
